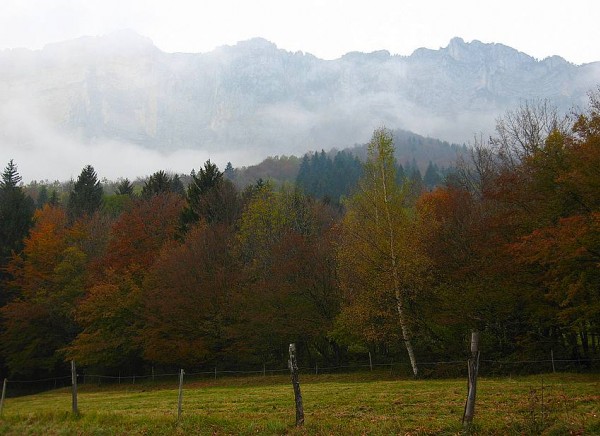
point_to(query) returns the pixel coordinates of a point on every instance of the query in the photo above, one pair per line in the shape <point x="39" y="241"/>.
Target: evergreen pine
<point x="16" y="212"/>
<point x="159" y="183"/>
<point x="209" y="196"/>
<point x="42" y="197"/>
<point x="125" y="188"/>
<point x="86" y="196"/>
<point x="229" y="172"/>
<point x="432" y="176"/>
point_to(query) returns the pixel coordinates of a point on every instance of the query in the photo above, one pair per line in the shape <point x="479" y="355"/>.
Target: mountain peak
<point x="124" y="42"/>
<point x="457" y="41"/>
<point x="119" y="86"/>
<point x="257" y="43"/>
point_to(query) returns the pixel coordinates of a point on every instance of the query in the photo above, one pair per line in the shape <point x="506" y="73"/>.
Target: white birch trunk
<point x="406" y="336"/>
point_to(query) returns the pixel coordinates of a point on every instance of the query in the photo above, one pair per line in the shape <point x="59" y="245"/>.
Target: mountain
<point x="255" y="100"/>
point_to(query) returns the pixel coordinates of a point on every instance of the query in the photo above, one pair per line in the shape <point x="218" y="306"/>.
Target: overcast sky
<point x="326" y="28"/>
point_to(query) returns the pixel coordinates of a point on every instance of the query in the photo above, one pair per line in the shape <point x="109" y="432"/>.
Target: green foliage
<point x="16" y="212"/>
<point x="125" y="187"/>
<point x="432" y="176"/>
<point x="10" y="177"/>
<point x="114" y="205"/>
<point x="86" y="196"/>
<point x="43" y="198"/>
<point x="160" y="183"/>
<point x="322" y="177"/>
<point x="210" y="197"/>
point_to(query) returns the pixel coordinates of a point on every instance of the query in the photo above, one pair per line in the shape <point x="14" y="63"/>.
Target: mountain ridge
<point x="254" y="98"/>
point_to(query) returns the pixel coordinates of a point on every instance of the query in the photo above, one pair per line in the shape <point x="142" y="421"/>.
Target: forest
<point x="356" y="256"/>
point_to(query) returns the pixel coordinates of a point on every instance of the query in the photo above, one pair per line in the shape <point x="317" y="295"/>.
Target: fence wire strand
<point x="315" y="369"/>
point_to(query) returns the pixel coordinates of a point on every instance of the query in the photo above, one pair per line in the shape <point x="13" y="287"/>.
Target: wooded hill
<point x="177" y="276"/>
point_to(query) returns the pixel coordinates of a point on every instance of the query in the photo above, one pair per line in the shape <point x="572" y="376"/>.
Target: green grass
<point x="371" y="403"/>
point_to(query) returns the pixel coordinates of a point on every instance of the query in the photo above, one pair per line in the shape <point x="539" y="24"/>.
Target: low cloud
<point x="42" y="151"/>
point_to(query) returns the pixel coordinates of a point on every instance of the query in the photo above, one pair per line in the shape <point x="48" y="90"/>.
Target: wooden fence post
<point x="473" y="367"/>
<point x="552" y="357"/>
<point x="3" y="395"/>
<point x="180" y="398"/>
<point x="74" y="388"/>
<point x="370" y="361"/>
<point x="293" y="364"/>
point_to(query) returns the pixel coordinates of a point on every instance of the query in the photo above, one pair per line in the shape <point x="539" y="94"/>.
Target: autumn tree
<point x="285" y="242"/>
<point x="110" y="315"/>
<point x="267" y="217"/>
<point x="49" y="277"/>
<point x="381" y="264"/>
<point x="515" y="235"/>
<point x="189" y="297"/>
<point x="561" y="244"/>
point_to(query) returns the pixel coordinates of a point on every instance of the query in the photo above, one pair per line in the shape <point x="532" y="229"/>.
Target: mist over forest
<point x="129" y="109"/>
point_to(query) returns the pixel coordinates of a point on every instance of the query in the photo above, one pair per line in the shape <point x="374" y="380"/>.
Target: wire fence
<point x="452" y="368"/>
<point x="434" y="369"/>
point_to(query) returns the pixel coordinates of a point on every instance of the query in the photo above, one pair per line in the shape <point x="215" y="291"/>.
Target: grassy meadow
<point x="367" y="403"/>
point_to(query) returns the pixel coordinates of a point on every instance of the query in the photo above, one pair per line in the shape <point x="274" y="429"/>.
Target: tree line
<point x="189" y="276"/>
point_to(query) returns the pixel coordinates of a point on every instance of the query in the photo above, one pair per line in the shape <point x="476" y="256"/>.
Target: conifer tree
<point x="86" y="196"/>
<point x="210" y="197"/>
<point x="432" y="176"/>
<point x="125" y="187"/>
<point x="160" y="183"/>
<point x="16" y="211"/>
<point x="42" y="197"/>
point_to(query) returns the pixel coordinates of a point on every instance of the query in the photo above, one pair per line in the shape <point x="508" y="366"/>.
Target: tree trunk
<point x="406" y="336"/>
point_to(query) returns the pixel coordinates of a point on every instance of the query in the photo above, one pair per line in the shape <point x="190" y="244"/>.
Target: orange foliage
<point x="140" y="232"/>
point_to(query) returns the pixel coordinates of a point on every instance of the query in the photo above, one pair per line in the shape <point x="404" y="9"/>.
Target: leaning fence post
<point x="180" y="398"/>
<point x="3" y="395"/>
<point x="473" y="367"/>
<point x="552" y="357"/>
<point x="370" y="361"/>
<point x="74" y="387"/>
<point x="293" y="364"/>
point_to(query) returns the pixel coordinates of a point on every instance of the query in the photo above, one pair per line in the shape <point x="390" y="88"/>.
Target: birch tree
<point x="379" y="259"/>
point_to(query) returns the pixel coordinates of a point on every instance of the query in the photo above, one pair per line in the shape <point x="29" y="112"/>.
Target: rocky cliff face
<point x="254" y="96"/>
